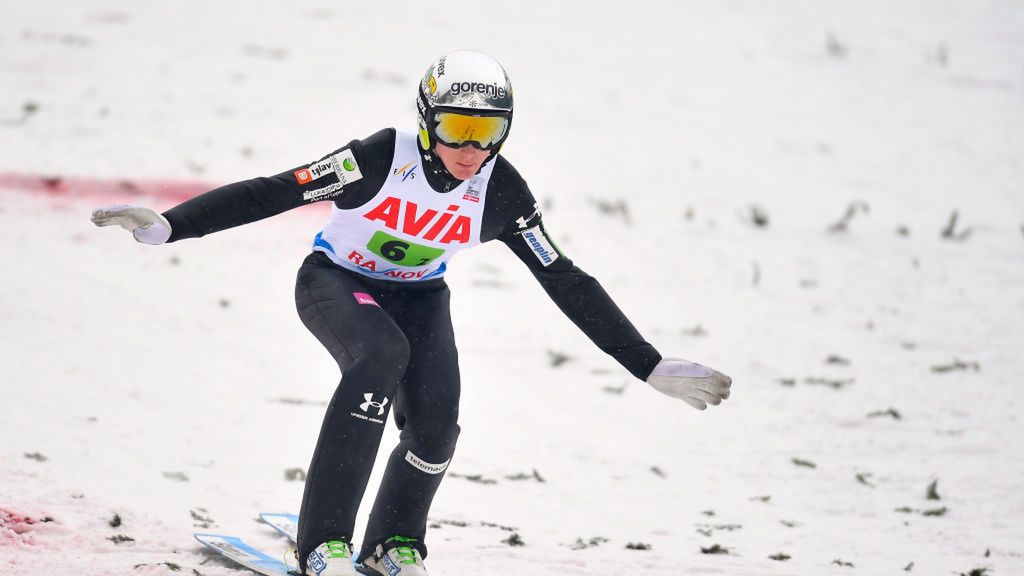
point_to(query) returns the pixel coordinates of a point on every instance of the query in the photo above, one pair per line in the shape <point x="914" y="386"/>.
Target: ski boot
<point x="332" y="558"/>
<point x="395" y="557"/>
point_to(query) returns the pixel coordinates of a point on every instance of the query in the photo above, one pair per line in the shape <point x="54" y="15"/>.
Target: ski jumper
<point x="373" y="293"/>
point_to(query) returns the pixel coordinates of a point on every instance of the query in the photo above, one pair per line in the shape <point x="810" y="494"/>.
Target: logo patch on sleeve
<point x="538" y="242"/>
<point x="320" y="193"/>
<point x="314" y="171"/>
<point x="343" y="165"/>
<point x="531" y="220"/>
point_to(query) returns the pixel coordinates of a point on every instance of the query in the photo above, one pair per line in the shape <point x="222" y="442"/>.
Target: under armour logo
<point x="365" y="406"/>
<point x="522" y="221"/>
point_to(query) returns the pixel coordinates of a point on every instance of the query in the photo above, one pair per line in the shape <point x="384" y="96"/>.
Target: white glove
<point x="694" y="384"/>
<point x="147" y="226"/>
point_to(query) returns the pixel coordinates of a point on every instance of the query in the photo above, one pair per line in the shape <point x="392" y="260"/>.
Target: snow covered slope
<point x="698" y="158"/>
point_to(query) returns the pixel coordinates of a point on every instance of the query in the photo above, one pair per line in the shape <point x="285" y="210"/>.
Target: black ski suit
<point x="393" y="341"/>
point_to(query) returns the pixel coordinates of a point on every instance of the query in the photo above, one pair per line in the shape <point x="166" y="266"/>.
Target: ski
<point x="286" y="524"/>
<point x="238" y="551"/>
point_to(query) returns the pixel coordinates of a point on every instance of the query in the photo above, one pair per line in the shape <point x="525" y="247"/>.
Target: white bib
<point x="408" y="231"/>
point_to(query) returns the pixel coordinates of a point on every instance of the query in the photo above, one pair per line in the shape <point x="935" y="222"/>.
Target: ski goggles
<point x="485" y="131"/>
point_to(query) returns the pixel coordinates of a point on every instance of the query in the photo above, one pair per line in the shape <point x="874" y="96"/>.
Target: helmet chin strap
<point x="438" y="176"/>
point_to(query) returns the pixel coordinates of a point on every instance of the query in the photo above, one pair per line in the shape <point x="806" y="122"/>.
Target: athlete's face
<point x="463" y="162"/>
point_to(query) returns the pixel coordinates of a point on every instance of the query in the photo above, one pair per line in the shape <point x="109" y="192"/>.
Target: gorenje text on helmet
<point x="489" y="90"/>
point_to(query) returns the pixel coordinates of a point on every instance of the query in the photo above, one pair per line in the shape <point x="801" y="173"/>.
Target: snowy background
<point x="765" y="187"/>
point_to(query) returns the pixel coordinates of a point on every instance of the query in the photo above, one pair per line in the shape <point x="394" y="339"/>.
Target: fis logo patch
<point x="408" y="172"/>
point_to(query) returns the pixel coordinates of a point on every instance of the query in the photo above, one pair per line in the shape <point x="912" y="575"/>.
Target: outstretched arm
<point x="580" y="297"/>
<point x="348" y="170"/>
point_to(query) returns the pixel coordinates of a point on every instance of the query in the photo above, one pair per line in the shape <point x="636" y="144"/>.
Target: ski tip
<point x="286" y="515"/>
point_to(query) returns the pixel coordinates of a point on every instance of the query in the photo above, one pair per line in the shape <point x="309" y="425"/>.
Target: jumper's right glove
<point x="692" y="383"/>
<point x="145" y="225"/>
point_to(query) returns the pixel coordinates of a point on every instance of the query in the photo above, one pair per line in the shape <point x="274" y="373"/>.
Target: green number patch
<point x="401" y="252"/>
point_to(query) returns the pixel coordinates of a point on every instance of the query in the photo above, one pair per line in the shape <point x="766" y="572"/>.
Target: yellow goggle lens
<point x="457" y="129"/>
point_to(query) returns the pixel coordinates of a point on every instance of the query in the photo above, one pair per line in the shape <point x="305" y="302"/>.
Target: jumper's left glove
<point x="692" y="383"/>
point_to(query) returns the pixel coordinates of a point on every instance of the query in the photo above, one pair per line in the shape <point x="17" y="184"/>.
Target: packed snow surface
<point x="763" y="187"/>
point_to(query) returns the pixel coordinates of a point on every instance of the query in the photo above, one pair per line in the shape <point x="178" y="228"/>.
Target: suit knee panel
<point x="385" y="354"/>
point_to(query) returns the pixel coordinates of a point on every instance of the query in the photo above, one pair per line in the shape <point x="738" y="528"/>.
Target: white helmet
<point x="465" y="98"/>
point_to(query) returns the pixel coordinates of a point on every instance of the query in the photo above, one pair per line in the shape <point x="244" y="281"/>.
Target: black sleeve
<point x="350" y="176"/>
<point x="513" y="216"/>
